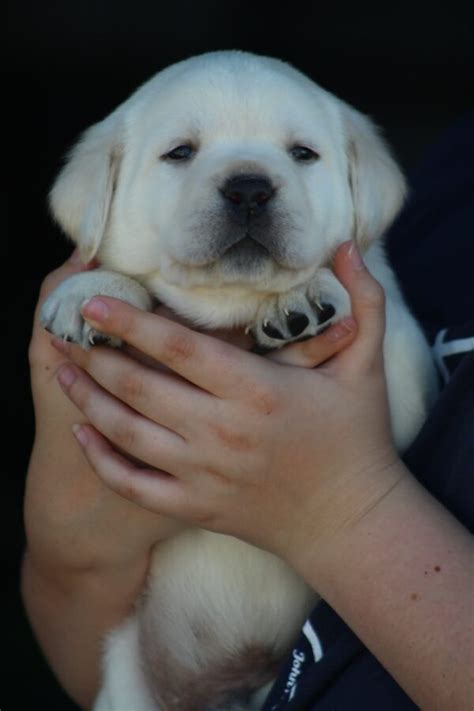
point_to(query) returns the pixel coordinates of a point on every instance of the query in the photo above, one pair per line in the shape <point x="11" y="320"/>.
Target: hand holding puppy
<point x="379" y="554"/>
<point x="84" y="509"/>
<point x="260" y="457"/>
<point x="295" y="460"/>
<point x="83" y="539"/>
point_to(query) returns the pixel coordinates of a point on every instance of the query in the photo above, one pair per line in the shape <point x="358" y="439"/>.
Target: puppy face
<point x="226" y="171"/>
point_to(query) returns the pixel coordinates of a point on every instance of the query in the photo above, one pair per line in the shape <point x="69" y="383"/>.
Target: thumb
<point x="40" y="348"/>
<point x="71" y="266"/>
<point x="368" y="306"/>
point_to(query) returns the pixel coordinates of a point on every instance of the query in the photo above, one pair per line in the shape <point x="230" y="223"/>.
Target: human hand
<point x="74" y="521"/>
<point x="236" y="443"/>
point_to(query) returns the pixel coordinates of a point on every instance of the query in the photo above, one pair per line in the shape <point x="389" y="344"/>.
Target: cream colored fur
<point x="159" y="227"/>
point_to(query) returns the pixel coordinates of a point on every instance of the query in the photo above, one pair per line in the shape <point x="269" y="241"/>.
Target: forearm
<point x="70" y="613"/>
<point x="87" y="558"/>
<point x="402" y="579"/>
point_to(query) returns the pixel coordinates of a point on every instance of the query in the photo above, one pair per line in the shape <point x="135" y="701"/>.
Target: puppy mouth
<point x="246" y="255"/>
<point x="247" y="247"/>
<point x="240" y="253"/>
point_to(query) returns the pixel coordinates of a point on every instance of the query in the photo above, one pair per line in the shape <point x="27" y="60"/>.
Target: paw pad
<point x="302" y="312"/>
<point x="272" y="332"/>
<point x="296" y="322"/>
<point x="325" y="312"/>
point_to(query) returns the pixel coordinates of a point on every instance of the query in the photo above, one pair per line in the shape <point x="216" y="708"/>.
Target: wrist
<point x="344" y="515"/>
<point x="117" y="587"/>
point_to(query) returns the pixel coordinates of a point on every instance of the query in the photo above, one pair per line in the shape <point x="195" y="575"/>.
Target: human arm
<point x="83" y="540"/>
<point x="310" y="450"/>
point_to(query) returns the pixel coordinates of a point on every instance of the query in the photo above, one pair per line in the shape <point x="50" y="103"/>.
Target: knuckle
<point x="202" y="517"/>
<point x="232" y="437"/>
<point x="127" y="487"/>
<point x="373" y="296"/>
<point x="123" y="434"/>
<point x="178" y="347"/>
<point x="264" y="399"/>
<point x="130" y="387"/>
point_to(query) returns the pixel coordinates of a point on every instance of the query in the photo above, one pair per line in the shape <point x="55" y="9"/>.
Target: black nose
<point x="248" y="195"/>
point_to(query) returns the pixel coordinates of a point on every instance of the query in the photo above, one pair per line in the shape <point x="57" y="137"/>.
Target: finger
<point x="213" y="365"/>
<point x="164" y="398"/>
<point x="320" y="348"/>
<point x="134" y="434"/>
<point x="368" y="306"/>
<point x="149" y="488"/>
<point x="40" y="354"/>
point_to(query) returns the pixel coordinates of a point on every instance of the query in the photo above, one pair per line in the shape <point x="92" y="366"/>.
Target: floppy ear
<point x="377" y="183"/>
<point x="82" y="194"/>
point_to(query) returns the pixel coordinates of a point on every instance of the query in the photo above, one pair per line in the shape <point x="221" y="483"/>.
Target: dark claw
<point x="99" y="339"/>
<point x="272" y="332"/>
<point x="296" y="322"/>
<point x="326" y="312"/>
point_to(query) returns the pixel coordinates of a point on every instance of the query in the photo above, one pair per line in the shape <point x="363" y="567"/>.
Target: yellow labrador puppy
<point x="222" y="187"/>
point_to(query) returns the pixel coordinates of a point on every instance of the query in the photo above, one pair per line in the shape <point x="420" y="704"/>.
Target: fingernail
<point x="95" y="310"/>
<point x="355" y="257"/>
<point x="80" y="433"/>
<point x="342" y="329"/>
<point x="66" y="376"/>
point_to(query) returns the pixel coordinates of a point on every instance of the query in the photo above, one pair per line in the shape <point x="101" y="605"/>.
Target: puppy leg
<point x="124" y="685"/>
<point x="61" y="312"/>
<point x="302" y="312"/>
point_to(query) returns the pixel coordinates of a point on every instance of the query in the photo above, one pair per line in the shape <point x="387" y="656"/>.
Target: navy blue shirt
<point x="431" y="246"/>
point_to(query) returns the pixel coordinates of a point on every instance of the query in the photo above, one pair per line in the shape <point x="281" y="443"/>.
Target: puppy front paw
<point x="61" y="312"/>
<point x="300" y="313"/>
<point x="61" y="316"/>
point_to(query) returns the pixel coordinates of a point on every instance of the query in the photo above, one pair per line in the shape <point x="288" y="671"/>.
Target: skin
<point x="276" y="441"/>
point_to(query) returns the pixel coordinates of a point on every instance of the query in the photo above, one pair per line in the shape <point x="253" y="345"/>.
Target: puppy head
<point x="226" y="169"/>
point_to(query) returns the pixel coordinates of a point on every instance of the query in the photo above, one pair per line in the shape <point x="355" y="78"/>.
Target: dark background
<point x="69" y="63"/>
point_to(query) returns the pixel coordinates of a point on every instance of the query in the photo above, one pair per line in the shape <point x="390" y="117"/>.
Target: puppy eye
<point x="180" y="153"/>
<point x="303" y="154"/>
